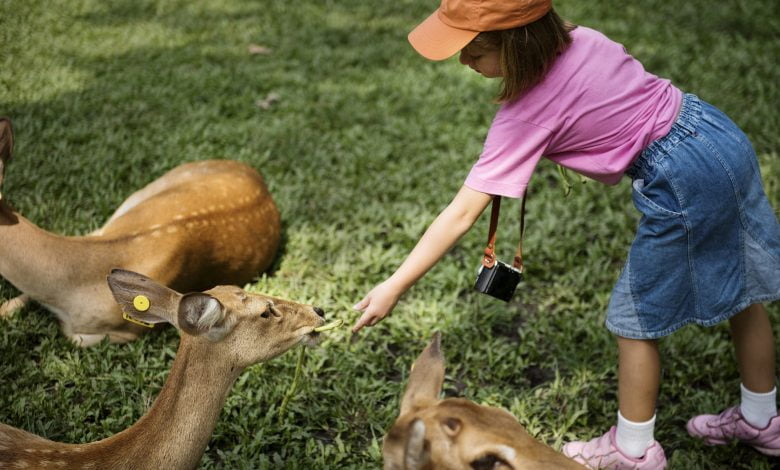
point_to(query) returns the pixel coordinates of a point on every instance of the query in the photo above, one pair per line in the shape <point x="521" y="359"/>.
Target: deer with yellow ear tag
<point x="223" y="331"/>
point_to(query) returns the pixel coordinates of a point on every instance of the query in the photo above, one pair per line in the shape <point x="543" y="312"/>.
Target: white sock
<point x="632" y="438"/>
<point x="758" y="408"/>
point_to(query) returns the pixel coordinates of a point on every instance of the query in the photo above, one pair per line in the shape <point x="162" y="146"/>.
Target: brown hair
<point x="527" y="52"/>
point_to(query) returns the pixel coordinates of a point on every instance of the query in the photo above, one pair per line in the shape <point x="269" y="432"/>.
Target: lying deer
<point x="223" y="331"/>
<point x="199" y="225"/>
<point x="455" y="434"/>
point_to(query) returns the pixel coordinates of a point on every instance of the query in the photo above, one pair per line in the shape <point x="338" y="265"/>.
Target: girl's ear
<point x="143" y="299"/>
<point x="426" y="379"/>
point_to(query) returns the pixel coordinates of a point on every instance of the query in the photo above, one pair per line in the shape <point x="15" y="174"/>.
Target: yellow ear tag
<point x="137" y="321"/>
<point x="141" y="303"/>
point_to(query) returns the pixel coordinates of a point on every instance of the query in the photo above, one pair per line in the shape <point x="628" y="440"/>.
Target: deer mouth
<point x="313" y="336"/>
<point x="311" y="339"/>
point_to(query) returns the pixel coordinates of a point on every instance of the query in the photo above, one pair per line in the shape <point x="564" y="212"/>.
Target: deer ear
<point x="416" y="456"/>
<point x="426" y="379"/>
<point x="143" y="299"/>
<point x="200" y="313"/>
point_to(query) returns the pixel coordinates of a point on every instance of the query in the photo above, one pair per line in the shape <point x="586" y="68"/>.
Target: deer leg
<point x="11" y="306"/>
<point x="85" y="340"/>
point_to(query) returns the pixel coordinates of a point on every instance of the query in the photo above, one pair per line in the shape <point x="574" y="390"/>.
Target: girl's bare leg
<point x="639" y="377"/>
<point x="751" y="332"/>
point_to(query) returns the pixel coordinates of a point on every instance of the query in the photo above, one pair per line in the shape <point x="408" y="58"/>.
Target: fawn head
<point x="449" y="434"/>
<point x="243" y="327"/>
<point x="6" y="146"/>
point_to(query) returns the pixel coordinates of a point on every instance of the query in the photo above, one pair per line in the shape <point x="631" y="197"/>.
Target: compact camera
<point x="499" y="281"/>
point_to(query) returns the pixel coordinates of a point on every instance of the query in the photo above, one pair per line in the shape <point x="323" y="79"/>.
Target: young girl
<point x="707" y="246"/>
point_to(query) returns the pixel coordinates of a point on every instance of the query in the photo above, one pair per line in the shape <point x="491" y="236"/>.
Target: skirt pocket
<point x="645" y="205"/>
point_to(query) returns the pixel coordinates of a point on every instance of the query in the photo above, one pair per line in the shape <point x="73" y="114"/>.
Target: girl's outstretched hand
<point x="376" y="305"/>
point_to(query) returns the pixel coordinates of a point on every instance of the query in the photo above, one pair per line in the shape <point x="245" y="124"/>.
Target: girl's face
<point x="486" y="61"/>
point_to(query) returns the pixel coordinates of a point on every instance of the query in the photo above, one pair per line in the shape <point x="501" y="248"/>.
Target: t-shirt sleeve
<point x="511" y="152"/>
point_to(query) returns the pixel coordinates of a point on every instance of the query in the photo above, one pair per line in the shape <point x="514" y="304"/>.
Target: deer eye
<point x="451" y="426"/>
<point x="268" y="310"/>
<point x="271" y="310"/>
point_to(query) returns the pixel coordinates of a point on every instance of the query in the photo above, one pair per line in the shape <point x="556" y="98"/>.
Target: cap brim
<point x="435" y="40"/>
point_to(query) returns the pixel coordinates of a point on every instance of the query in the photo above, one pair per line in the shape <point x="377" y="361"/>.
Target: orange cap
<point x="456" y="22"/>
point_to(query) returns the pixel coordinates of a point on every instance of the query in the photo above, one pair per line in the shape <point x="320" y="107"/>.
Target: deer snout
<point x="319" y="311"/>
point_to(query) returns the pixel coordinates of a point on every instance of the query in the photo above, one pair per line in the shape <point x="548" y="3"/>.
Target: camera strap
<point x="489" y="258"/>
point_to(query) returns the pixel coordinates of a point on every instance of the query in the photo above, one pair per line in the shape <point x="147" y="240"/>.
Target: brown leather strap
<point x="489" y="258"/>
<point x="518" y="262"/>
<point x="490" y="250"/>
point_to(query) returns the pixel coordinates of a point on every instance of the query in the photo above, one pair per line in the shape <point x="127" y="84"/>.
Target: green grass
<point x="366" y="143"/>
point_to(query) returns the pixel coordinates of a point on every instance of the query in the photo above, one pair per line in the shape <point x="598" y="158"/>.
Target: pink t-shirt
<point x="594" y="112"/>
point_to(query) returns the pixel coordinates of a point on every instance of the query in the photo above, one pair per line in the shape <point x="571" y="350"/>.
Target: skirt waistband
<point x="685" y="125"/>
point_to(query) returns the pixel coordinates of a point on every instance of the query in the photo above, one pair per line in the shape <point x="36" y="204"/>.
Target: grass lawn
<point x="362" y="142"/>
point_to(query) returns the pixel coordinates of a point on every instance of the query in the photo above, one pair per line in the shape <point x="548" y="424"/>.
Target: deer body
<point x="212" y="353"/>
<point x="181" y="420"/>
<point x="199" y="225"/>
<point x="455" y="433"/>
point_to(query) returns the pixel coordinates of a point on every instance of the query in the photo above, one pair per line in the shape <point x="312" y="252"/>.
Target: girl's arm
<point x="454" y="221"/>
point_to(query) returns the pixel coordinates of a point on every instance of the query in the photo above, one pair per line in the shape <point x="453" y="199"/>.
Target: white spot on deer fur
<point x="178" y="217"/>
<point x="171" y="229"/>
<point x="155" y="226"/>
<point x="88" y="466"/>
<point x="156" y="234"/>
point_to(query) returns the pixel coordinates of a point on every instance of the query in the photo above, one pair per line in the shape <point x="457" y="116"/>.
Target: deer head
<point x="6" y="147"/>
<point x="244" y="327"/>
<point x="457" y="434"/>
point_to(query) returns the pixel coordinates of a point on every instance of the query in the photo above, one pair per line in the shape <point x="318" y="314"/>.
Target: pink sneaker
<point x="730" y="425"/>
<point x="602" y="452"/>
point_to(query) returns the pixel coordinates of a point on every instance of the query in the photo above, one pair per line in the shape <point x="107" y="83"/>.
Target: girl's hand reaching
<point x="449" y="226"/>
<point x="376" y="305"/>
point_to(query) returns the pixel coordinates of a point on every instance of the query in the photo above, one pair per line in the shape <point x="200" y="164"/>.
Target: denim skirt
<point x="708" y="241"/>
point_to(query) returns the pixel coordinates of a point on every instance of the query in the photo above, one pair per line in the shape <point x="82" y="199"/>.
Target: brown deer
<point x="223" y="331"/>
<point x="199" y="225"/>
<point x="457" y="434"/>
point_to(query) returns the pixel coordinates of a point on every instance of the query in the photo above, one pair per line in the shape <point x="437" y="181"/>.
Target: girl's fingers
<point x="361" y="305"/>
<point x="362" y="321"/>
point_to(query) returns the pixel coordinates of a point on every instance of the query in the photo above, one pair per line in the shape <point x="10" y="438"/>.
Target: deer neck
<point x="176" y="429"/>
<point x="33" y="259"/>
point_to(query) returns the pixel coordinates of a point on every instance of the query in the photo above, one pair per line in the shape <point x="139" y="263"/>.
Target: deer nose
<point x="319" y="312"/>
